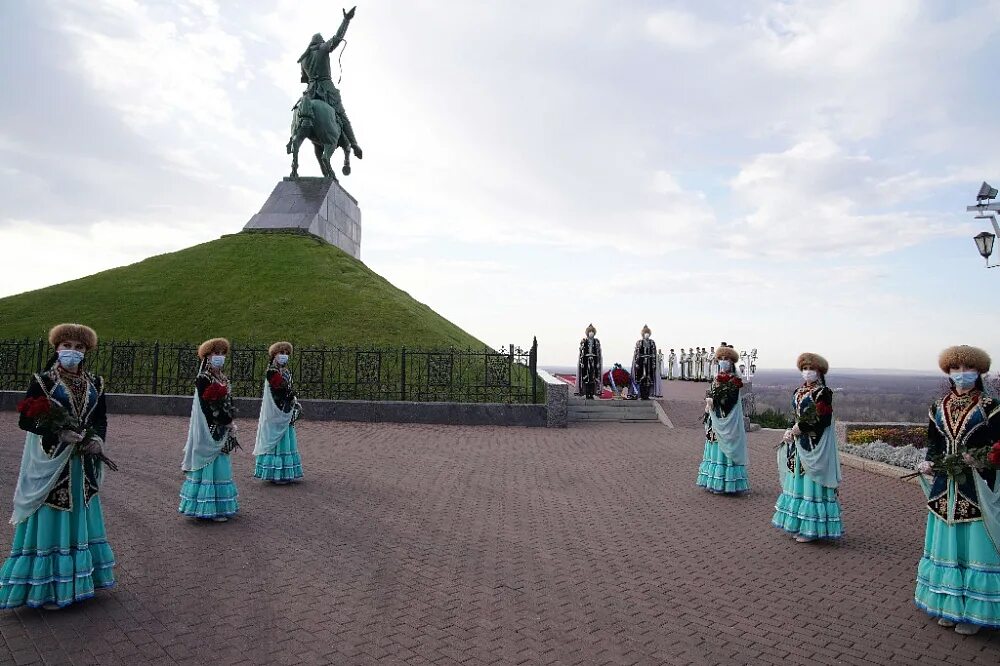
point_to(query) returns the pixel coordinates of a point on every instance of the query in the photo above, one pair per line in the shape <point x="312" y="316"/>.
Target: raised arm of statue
<point x="334" y="41"/>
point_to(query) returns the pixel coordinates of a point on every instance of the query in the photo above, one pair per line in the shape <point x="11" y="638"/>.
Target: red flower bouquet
<point x="725" y="388"/>
<point x="277" y="381"/>
<point x="54" y="418"/>
<point x="960" y="463"/>
<point x="726" y="378"/>
<point x="49" y="416"/>
<point x="993" y="457"/>
<point x="220" y="401"/>
<point x="824" y="408"/>
<point x="34" y="407"/>
<point x="215" y="393"/>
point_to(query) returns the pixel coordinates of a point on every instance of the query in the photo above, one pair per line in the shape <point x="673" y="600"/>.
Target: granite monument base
<point x="318" y="206"/>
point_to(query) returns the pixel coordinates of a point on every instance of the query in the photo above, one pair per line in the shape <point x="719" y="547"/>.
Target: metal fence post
<point x="109" y="372"/>
<point x="402" y="374"/>
<point x="156" y="368"/>
<point x="510" y="374"/>
<point x="41" y="350"/>
<point x="533" y="366"/>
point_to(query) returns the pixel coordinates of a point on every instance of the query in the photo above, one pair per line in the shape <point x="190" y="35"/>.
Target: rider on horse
<point x="315" y="64"/>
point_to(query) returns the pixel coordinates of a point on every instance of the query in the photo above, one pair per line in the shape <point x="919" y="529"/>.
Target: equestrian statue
<point x="319" y="114"/>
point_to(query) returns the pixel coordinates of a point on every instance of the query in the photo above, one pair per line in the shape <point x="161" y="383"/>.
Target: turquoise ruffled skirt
<point x="718" y="474"/>
<point x="807" y="509"/>
<point x="284" y="464"/>
<point x="958" y="577"/>
<point x="210" y="492"/>
<point x="59" y="557"/>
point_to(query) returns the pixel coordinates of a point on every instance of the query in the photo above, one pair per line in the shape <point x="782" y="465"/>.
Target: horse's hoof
<point x="346" y="170"/>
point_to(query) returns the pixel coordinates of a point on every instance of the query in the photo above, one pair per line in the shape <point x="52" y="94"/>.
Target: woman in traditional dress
<point x="277" y="452"/>
<point x="723" y="466"/>
<point x="808" y="464"/>
<point x="60" y="553"/>
<point x="208" y="491"/>
<point x="958" y="578"/>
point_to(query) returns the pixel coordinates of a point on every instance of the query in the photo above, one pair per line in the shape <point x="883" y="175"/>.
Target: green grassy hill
<point x="247" y="287"/>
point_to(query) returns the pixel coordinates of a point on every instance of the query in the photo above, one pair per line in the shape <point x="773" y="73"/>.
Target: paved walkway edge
<point x="662" y="414"/>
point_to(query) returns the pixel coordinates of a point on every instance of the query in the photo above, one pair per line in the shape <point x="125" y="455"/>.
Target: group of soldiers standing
<point x="697" y="364"/>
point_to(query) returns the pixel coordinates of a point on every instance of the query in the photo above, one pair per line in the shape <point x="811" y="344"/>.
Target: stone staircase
<point x="612" y="411"/>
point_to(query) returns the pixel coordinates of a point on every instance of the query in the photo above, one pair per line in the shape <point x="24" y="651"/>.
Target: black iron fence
<point x="507" y="375"/>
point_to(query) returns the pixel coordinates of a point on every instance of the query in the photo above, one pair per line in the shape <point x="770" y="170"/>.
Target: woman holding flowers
<point x="723" y="465"/>
<point x="276" y="450"/>
<point x="208" y="491"/>
<point x="808" y="464"/>
<point x="958" y="578"/>
<point x="60" y="553"/>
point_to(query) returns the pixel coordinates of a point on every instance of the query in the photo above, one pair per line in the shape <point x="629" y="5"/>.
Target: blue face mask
<point x="218" y="360"/>
<point x="282" y="359"/>
<point x="70" y="358"/>
<point x="965" y="380"/>
<point x="725" y="366"/>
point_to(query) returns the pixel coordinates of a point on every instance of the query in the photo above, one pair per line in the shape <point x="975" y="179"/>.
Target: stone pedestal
<point x="319" y="206"/>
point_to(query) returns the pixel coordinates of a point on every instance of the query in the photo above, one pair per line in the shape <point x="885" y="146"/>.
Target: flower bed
<point x="894" y="436"/>
<point x="901" y="456"/>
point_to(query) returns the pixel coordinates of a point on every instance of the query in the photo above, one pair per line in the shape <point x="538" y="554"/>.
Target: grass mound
<point x="247" y="287"/>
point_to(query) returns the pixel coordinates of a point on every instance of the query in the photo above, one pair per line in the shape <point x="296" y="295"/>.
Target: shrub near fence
<point x="772" y="418"/>
<point x="418" y="375"/>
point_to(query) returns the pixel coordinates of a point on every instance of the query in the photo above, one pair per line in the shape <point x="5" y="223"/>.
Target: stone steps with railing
<point x="612" y="411"/>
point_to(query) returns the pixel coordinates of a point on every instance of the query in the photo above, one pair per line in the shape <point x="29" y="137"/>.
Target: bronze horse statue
<point x="317" y="121"/>
<point x="319" y="114"/>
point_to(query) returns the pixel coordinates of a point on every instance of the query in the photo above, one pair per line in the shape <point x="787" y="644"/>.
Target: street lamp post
<point x="985" y="209"/>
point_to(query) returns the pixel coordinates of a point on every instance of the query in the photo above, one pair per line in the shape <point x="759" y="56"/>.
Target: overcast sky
<point x="786" y="175"/>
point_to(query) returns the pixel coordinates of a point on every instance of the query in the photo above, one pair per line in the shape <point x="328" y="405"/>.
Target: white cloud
<point x="100" y="246"/>
<point x="169" y="76"/>
<point x="817" y="198"/>
<point x="682" y="30"/>
<point x="665" y="183"/>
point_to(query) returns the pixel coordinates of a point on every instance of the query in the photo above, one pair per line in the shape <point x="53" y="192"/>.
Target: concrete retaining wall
<point x="556" y="400"/>
<point x="336" y="410"/>
<point x="343" y="410"/>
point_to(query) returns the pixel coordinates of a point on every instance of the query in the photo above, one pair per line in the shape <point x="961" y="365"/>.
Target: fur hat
<point x="208" y="346"/>
<point x="78" y="332"/>
<point x="814" y="361"/>
<point x="591" y="328"/>
<point x="959" y="355"/>
<point x="645" y="329"/>
<point x="279" y="348"/>
<point x="727" y="354"/>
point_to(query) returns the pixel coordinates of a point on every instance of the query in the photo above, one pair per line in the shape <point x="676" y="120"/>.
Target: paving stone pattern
<point x="422" y="544"/>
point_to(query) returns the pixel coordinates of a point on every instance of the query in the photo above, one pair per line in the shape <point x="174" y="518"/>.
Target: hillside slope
<point x="247" y="287"/>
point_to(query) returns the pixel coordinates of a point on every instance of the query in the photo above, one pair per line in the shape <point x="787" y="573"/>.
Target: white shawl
<point x="272" y="425"/>
<point x="37" y="477"/>
<point x="201" y="449"/>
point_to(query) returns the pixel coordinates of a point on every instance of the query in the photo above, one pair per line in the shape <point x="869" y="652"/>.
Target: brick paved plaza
<point x="445" y="545"/>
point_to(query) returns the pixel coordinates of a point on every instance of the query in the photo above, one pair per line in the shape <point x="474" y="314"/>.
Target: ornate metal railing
<point x="506" y="375"/>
